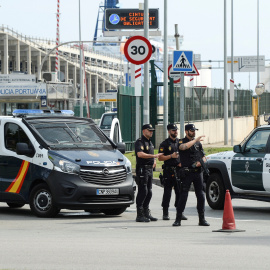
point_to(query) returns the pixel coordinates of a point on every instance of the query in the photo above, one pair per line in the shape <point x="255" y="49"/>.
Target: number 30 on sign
<point x="138" y="50"/>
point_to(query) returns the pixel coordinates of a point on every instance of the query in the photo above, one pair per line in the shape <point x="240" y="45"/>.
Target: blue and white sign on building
<point x="182" y="61"/>
<point x="22" y="90"/>
<point x="43" y="101"/>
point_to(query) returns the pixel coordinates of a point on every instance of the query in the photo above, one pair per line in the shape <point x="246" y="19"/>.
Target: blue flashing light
<point x="35" y="112"/>
<point x="67" y="112"/>
<point x="26" y="112"/>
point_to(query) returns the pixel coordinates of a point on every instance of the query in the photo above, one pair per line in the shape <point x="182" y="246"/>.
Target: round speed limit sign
<point x="138" y="50"/>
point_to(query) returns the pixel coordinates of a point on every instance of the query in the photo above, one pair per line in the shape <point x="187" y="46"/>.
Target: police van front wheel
<point x="215" y="191"/>
<point x="41" y="202"/>
<point x="114" y="211"/>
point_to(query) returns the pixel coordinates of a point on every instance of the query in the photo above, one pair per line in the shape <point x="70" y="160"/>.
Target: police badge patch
<point x="147" y="147"/>
<point x="142" y="147"/>
<point x="170" y="148"/>
<point x="161" y="149"/>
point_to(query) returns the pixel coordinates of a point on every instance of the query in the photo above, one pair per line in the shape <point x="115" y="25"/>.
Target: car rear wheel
<point x="15" y="205"/>
<point x="215" y="191"/>
<point x="42" y="203"/>
<point x="114" y="211"/>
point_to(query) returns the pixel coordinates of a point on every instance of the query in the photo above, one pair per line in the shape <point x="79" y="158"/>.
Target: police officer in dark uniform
<point x="191" y="172"/>
<point x="145" y="162"/>
<point x="171" y="167"/>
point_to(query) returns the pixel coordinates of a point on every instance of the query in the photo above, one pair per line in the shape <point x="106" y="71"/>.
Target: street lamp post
<point x="225" y="78"/>
<point x="146" y="68"/>
<point x="165" y="68"/>
<point x="232" y="62"/>
<point x="258" y="70"/>
<point x="81" y="76"/>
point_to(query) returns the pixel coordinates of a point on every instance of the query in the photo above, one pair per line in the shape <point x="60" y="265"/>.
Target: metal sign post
<point x="183" y="62"/>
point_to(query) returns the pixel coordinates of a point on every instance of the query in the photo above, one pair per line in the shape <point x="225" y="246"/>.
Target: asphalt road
<point x="79" y="240"/>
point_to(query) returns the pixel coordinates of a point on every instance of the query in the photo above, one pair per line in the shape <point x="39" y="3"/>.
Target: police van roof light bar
<point x="35" y="112"/>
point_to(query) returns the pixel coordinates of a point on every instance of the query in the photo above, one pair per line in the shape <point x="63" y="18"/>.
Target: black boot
<point x="177" y="220"/>
<point x="166" y="214"/>
<point x="183" y="217"/>
<point x="140" y="216"/>
<point x="202" y="221"/>
<point x="147" y="214"/>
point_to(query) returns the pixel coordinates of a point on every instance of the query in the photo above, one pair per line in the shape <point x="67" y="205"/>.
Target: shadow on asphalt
<point x="240" y="212"/>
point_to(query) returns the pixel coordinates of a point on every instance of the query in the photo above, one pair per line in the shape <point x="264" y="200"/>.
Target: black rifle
<point x="199" y="154"/>
<point x="177" y="178"/>
<point x="203" y="164"/>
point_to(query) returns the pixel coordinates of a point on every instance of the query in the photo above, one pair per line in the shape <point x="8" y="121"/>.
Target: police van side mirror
<point x="24" y="149"/>
<point x="237" y="149"/>
<point x="121" y="147"/>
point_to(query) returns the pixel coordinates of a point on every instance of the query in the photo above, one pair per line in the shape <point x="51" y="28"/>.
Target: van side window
<point x="14" y="134"/>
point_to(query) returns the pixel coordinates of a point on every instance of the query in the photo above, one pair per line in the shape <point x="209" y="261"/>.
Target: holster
<point x="140" y="175"/>
<point x="161" y="178"/>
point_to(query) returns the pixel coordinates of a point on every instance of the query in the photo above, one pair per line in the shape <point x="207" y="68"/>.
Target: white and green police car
<point x="245" y="171"/>
<point x="53" y="160"/>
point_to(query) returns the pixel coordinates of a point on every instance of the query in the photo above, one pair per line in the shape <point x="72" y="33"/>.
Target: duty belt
<point x="146" y="166"/>
<point x="169" y="168"/>
<point x="187" y="169"/>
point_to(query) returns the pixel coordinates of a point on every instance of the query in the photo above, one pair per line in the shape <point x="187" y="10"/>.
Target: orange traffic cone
<point x="228" y="216"/>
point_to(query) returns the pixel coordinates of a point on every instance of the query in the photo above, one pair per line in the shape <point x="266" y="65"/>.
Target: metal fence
<point x="264" y="102"/>
<point x="202" y="103"/>
<point x="96" y="111"/>
<point x="126" y="106"/>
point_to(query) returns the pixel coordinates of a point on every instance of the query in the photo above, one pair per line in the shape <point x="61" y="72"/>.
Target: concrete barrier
<point x="214" y="129"/>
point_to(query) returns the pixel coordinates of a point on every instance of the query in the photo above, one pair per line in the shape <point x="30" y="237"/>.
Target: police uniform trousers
<point x="169" y="183"/>
<point x="197" y="179"/>
<point x="144" y="195"/>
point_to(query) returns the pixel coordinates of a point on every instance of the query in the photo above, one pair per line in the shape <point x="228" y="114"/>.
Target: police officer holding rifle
<point x="191" y="171"/>
<point x="170" y="178"/>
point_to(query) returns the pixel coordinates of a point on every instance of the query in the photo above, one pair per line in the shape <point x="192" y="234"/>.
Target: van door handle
<point x="4" y="164"/>
<point x="259" y="159"/>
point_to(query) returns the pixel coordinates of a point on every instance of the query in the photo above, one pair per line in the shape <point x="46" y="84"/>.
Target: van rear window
<point x="107" y="121"/>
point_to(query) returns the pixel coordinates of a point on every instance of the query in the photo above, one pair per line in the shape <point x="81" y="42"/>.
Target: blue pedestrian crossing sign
<point x="182" y="61"/>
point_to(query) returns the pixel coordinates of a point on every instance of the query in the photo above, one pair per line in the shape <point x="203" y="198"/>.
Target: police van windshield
<point x="66" y="134"/>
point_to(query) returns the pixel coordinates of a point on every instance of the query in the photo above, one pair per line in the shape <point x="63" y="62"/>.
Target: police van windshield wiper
<point x="74" y="134"/>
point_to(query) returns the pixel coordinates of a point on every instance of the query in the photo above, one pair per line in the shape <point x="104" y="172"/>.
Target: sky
<point x="201" y="22"/>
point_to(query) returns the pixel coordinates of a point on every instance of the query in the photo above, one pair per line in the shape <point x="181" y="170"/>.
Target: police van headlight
<point x="128" y="166"/>
<point x="63" y="165"/>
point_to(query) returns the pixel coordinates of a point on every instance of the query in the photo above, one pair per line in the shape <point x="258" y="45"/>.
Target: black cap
<point x="172" y="127"/>
<point x="148" y="126"/>
<point x="190" y="127"/>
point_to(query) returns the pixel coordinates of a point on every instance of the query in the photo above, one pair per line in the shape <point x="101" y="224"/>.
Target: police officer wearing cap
<point x="191" y="173"/>
<point x="145" y="162"/>
<point x="171" y="166"/>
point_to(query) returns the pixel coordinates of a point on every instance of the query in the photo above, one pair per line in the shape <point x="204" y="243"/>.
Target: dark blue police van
<point x="52" y="160"/>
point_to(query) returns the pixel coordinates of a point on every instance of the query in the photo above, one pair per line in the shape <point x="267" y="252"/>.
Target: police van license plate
<point x="107" y="191"/>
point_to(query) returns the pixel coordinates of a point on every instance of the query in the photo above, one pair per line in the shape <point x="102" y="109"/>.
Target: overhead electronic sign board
<point x="119" y="18"/>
